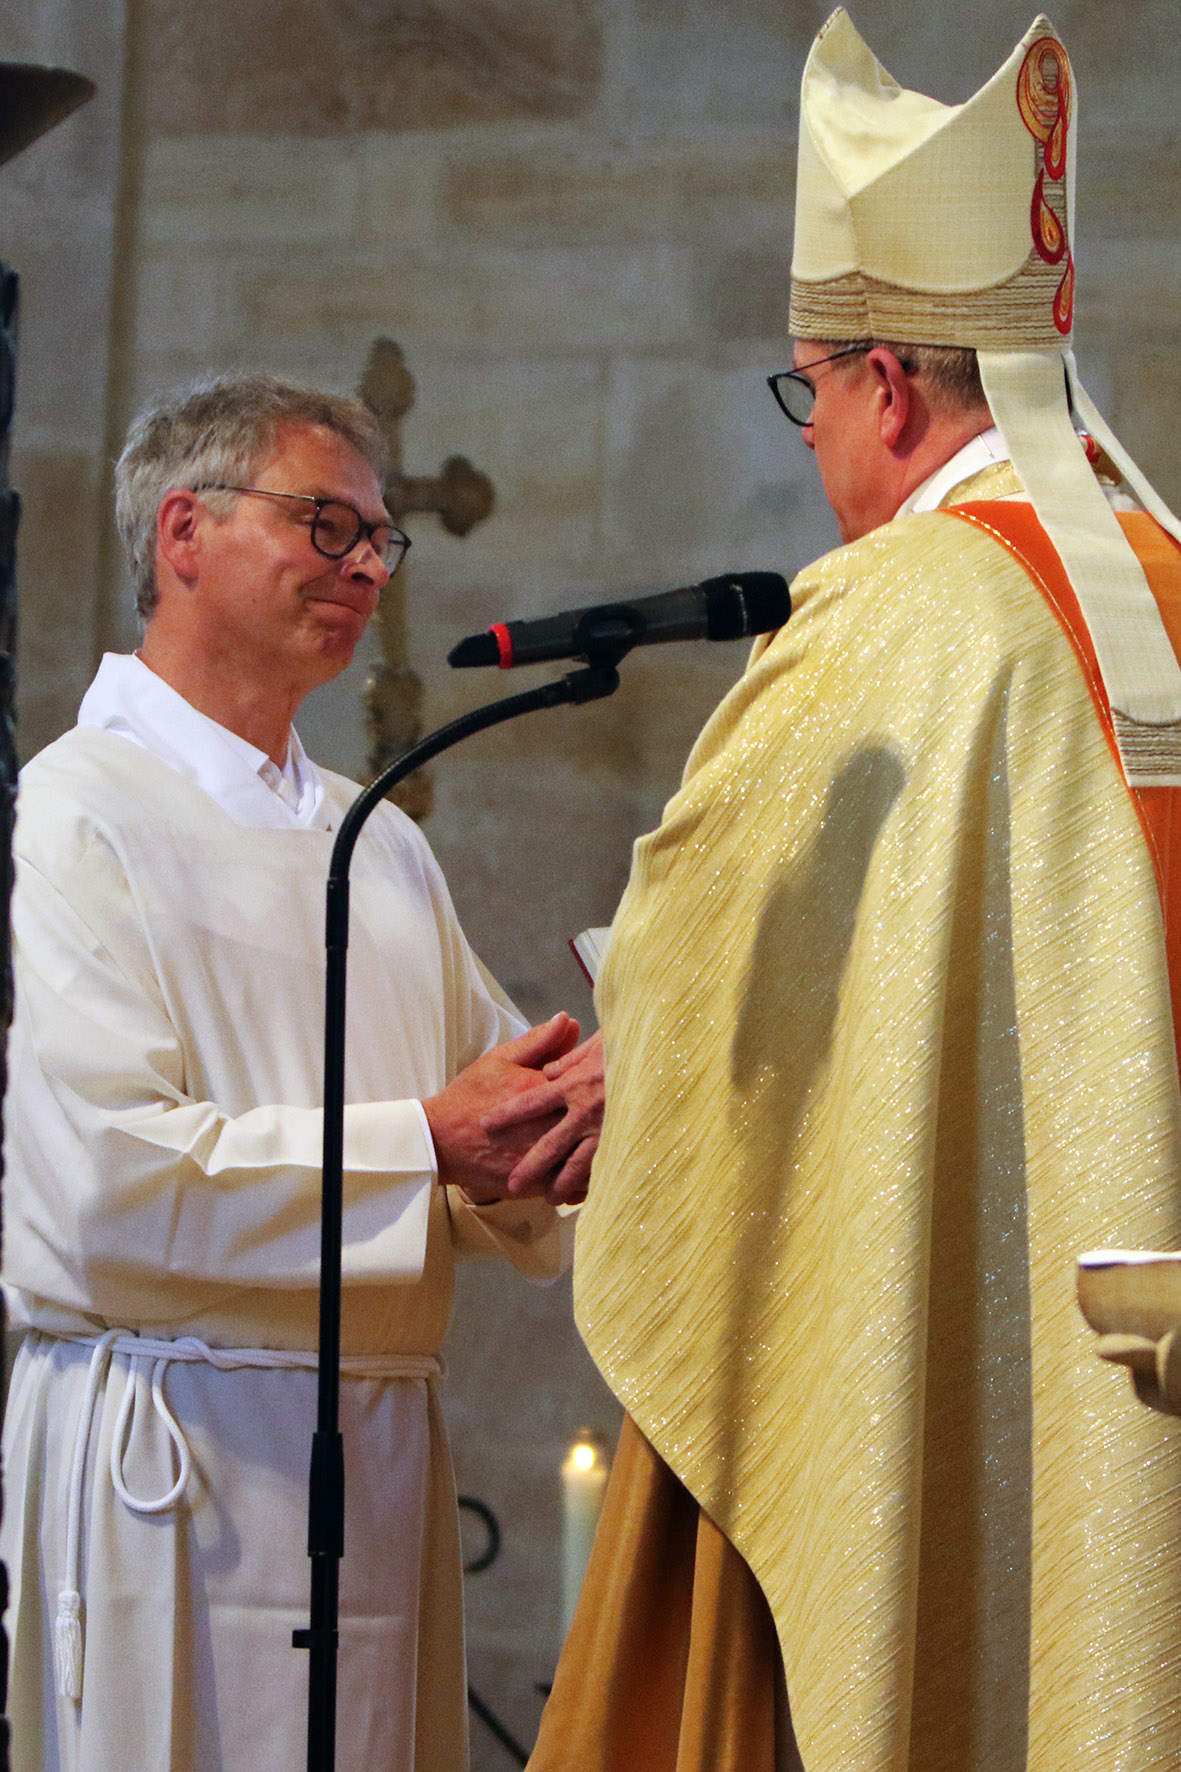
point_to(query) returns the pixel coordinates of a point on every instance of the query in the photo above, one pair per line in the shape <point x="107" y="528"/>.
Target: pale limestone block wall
<point x="574" y="215"/>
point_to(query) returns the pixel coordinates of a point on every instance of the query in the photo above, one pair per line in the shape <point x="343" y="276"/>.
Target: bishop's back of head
<point x="954" y="225"/>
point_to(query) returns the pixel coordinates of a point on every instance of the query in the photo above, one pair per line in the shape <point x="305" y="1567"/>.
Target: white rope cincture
<point x="67" y="1624"/>
<point x="122" y="1435"/>
<point x="68" y="1638"/>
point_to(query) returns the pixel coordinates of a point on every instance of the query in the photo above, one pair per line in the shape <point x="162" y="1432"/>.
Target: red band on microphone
<point x="504" y="644"/>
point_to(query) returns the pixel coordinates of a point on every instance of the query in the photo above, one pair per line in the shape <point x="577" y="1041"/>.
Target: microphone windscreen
<point x="477" y="649"/>
<point x="743" y="603"/>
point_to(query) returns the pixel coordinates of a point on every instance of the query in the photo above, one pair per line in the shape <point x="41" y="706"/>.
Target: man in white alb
<point x="164" y="1133"/>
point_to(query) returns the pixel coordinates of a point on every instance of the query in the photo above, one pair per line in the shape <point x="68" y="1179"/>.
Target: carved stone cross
<point x="460" y="496"/>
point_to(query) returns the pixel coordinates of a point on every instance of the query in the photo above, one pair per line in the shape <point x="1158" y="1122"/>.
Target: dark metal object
<point x="484" y="1561"/>
<point x="9" y="518"/>
<point x="326" y="1485"/>
<point x="491" y="1721"/>
<point x="491" y="1526"/>
<point x="34" y="99"/>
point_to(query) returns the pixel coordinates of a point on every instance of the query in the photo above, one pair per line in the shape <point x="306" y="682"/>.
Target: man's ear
<point x="178" y="521"/>
<point x="896" y="395"/>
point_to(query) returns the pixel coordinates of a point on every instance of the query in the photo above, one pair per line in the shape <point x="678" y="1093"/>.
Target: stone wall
<point x="574" y="215"/>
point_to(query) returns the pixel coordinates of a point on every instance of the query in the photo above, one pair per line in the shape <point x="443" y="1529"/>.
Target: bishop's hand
<point x="558" y="1164"/>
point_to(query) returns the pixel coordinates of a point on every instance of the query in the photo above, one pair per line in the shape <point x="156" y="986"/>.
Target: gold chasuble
<point x="889" y="1042"/>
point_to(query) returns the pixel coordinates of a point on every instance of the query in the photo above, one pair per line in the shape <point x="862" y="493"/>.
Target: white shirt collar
<point x="128" y="698"/>
<point x="978" y="453"/>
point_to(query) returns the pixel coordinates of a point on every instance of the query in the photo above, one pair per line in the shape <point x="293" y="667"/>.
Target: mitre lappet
<point x="954" y="225"/>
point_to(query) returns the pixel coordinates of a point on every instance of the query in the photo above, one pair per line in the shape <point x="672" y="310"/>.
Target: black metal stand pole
<point x="9" y="519"/>
<point x="326" y="1483"/>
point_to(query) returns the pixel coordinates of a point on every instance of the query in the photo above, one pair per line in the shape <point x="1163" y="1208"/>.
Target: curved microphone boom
<point x="730" y="607"/>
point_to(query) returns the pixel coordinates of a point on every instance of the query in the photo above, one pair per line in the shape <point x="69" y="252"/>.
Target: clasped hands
<point x="523" y="1120"/>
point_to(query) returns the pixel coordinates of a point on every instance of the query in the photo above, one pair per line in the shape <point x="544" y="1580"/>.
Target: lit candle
<point x="584" y="1478"/>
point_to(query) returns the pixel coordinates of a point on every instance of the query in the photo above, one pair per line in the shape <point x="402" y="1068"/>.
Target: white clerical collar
<point x="981" y="452"/>
<point x="128" y="698"/>
<point x="978" y="453"/>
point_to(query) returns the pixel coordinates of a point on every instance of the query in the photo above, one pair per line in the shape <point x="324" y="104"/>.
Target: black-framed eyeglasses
<point x="793" y="391"/>
<point x="336" y="526"/>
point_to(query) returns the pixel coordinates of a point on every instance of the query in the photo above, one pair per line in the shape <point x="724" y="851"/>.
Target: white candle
<point x="584" y="1478"/>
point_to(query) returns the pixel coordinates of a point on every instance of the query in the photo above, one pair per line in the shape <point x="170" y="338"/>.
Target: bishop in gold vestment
<point x="889" y="1042"/>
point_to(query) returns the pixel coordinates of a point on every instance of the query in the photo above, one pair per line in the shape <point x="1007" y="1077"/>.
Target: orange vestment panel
<point x="1015" y="525"/>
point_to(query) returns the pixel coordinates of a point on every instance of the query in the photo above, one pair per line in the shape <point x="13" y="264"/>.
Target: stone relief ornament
<point x="460" y="496"/>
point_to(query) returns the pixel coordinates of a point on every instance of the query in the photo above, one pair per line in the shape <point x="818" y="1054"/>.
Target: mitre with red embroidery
<point x="954" y="225"/>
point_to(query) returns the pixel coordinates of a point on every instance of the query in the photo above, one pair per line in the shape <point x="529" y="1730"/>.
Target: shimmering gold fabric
<point x="889" y="1042"/>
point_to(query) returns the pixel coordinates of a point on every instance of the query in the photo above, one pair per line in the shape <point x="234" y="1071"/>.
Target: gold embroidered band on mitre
<point x="856" y="307"/>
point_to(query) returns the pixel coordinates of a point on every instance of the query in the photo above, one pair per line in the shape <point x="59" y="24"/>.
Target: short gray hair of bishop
<point x="952" y="371"/>
<point x="222" y="428"/>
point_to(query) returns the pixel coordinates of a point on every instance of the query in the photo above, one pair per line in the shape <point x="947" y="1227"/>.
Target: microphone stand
<point x="326" y="1481"/>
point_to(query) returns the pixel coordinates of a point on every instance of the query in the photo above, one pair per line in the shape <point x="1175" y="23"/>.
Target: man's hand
<point x="475" y="1151"/>
<point x="558" y="1165"/>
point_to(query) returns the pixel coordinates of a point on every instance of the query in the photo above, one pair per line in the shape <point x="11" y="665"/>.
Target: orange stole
<point x="1017" y="528"/>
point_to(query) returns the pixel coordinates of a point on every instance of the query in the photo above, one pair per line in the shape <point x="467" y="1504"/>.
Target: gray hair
<point x="952" y="372"/>
<point x="221" y="428"/>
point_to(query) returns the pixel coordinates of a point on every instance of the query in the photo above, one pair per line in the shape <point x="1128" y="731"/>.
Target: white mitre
<point x="941" y="224"/>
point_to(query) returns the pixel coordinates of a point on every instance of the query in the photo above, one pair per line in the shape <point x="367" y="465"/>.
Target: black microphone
<point x="729" y="607"/>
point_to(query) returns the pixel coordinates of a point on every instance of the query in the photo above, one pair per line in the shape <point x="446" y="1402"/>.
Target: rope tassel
<point x="67" y="1644"/>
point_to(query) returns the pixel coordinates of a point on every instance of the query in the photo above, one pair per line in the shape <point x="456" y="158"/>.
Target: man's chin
<point x="333" y="653"/>
<point x="339" y="625"/>
<point x="336" y="655"/>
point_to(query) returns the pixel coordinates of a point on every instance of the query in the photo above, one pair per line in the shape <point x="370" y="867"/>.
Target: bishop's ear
<point x="896" y="394"/>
